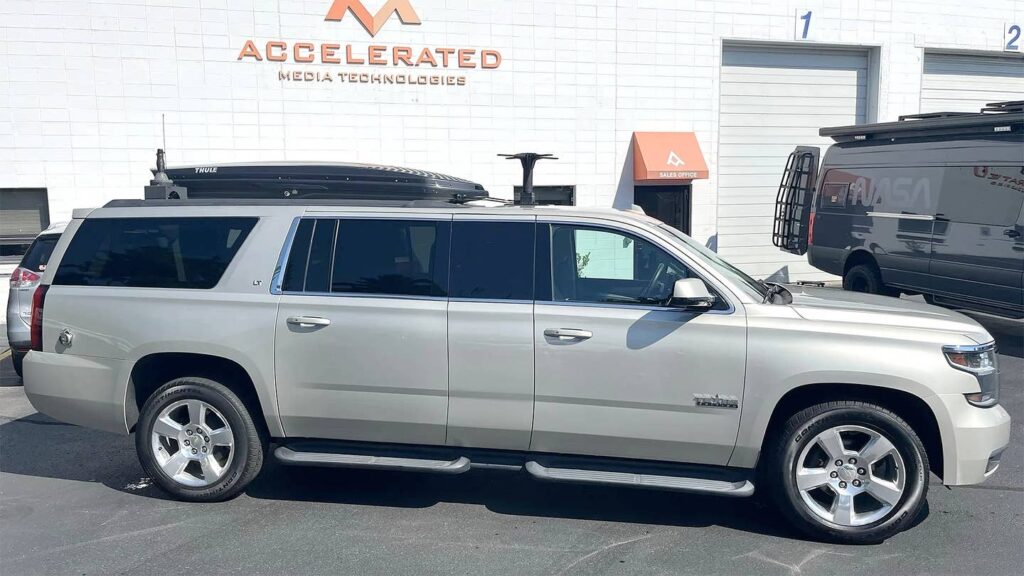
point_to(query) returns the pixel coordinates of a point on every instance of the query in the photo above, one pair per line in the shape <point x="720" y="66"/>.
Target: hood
<point x="833" y="305"/>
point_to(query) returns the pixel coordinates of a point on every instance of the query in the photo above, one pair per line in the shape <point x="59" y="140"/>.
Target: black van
<point x="932" y="204"/>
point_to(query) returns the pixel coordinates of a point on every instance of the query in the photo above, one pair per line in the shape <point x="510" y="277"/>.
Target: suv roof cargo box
<point x="323" y="181"/>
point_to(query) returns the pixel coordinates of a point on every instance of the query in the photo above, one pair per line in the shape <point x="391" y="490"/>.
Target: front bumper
<point x="973" y="438"/>
<point x="78" y="390"/>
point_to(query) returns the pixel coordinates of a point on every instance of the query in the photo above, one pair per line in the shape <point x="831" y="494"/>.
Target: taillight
<point x="36" y="328"/>
<point x="24" y="278"/>
<point x="810" y="228"/>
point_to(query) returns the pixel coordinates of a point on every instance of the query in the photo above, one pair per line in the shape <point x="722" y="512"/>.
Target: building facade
<point x="688" y="107"/>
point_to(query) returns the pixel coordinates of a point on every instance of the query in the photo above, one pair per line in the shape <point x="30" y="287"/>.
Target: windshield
<point x="732" y="272"/>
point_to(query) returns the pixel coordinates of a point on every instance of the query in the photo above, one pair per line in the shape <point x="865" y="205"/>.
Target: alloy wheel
<point x="192" y="442"/>
<point x="850" y="475"/>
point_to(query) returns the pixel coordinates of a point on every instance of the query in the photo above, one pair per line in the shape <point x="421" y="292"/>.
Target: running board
<point x="334" y="460"/>
<point x="738" y="488"/>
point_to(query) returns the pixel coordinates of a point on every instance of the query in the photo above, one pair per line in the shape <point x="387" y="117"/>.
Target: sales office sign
<point x="378" y="63"/>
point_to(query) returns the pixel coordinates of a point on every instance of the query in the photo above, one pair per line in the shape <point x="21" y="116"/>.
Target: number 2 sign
<point x="1012" y="38"/>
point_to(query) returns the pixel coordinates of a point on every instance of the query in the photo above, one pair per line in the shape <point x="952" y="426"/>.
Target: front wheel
<point x="849" y="472"/>
<point x="197" y="440"/>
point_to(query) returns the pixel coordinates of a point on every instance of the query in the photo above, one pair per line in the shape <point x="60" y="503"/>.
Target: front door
<point x="361" y="350"/>
<point x="617" y="372"/>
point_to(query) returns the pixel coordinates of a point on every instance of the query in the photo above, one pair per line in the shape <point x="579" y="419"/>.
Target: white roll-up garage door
<point x="966" y="83"/>
<point x="773" y="100"/>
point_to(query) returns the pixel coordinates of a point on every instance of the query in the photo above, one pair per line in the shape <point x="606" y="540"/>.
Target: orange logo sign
<point x="373" y="22"/>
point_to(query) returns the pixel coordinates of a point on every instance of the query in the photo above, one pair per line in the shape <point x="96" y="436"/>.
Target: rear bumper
<point x="79" y="390"/>
<point x="973" y="439"/>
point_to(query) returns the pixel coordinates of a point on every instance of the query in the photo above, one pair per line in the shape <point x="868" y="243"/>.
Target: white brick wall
<point x="83" y="84"/>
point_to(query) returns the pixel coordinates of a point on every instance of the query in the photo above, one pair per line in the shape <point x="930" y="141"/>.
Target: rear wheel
<point x="197" y="440"/>
<point x="849" y="472"/>
<point x="866" y="278"/>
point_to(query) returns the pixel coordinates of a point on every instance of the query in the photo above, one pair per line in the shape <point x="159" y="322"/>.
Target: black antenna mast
<point x="528" y="160"/>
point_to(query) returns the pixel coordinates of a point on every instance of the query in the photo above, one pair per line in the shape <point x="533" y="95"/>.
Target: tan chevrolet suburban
<point x="595" y="346"/>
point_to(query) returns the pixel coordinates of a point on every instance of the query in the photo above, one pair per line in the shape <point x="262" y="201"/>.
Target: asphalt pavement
<point x="74" y="501"/>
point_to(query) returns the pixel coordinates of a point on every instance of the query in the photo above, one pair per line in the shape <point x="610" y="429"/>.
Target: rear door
<point x="361" y="346"/>
<point x="978" y="251"/>
<point x="490" y="332"/>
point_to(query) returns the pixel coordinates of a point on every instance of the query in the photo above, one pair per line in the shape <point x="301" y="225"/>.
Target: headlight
<point x="979" y="360"/>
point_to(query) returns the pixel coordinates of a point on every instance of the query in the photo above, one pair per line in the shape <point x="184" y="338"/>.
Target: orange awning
<point x="667" y="156"/>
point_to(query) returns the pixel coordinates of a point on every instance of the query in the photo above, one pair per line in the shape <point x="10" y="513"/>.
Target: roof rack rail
<point x="1004" y="107"/>
<point x="997" y="117"/>
<point x="313" y="181"/>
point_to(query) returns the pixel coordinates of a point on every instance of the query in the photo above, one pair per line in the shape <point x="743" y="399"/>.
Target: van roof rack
<point x="994" y="118"/>
<point x="307" y="181"/>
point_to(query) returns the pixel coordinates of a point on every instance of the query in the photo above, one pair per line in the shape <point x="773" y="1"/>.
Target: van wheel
<point x="866" y="278"/>
<point x="197" y="441"/>
<point x="848" y="472"/>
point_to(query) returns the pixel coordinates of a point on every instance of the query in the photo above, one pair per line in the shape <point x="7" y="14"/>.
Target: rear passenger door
<point x="978" y="249"/>
<point x="490" y="332"/>
<point x="361" y="349"/>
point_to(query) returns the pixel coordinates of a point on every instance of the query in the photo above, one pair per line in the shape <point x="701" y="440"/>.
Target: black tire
<point x="18" y="360"/>
<point x="866" y="278"/>
<point x="803" y="427"/>
<point x="250" y="444"/>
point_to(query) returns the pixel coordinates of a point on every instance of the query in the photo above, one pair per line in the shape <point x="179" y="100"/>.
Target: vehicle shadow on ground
<point x="39" y="446"/>
<point x="1009" y="334"/>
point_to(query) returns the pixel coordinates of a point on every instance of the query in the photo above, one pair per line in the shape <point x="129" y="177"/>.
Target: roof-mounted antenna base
<point x="161" y="187"/>
<point x="528" y="160"/>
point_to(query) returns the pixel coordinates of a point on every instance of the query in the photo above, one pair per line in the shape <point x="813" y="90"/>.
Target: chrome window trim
<point x="643" y="307"/>
<point x="364" y="296"/>
<point x="698" y="270"/>
<point x="282" y="260"/>
<point x="491" y="301"/>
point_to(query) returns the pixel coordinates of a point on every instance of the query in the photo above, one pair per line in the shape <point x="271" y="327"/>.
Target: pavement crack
<point x="600" y="550"/>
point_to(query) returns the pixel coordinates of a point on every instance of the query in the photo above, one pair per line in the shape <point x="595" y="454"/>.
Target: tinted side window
<point x="152" y="252"/>
<point x="295" y="270"/>
<point x="492" y="260"/>
<point x="982" y="194"/>
<point x="896" y="190"/>
<point x="595" y="265"/>
<point x="321" y="256"/>
<point x="400" y="257"/>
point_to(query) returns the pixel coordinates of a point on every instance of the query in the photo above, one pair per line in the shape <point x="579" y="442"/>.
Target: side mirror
<point x="691" y="294"/>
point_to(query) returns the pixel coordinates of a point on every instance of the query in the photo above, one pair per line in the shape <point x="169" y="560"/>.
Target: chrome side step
<point x="334" y="460"/>
<point x="737" y="488"/>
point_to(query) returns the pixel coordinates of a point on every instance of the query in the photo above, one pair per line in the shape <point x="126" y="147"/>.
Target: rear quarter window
<point x="152" y="252"/>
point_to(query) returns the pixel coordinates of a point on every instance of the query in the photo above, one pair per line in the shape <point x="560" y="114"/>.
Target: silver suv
<point x="595" y="346"/>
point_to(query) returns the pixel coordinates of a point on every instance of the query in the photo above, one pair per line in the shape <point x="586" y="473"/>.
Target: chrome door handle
<point x="568" y="333"/>
<point x="308" y="321"/>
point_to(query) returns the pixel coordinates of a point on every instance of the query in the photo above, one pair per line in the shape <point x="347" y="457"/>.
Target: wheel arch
<point x="154" y="370"/>
<point x="912" y="408"/>
<point x="857" y="257"/>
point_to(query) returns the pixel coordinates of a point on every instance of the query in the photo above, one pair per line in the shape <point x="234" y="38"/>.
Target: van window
<point x="492" y="260"/>
<point x="369" y="256"/>
<point x="894" y="190"/>
<point x="600" y="266"/>
<point x="152" y="252"/>
<point x="982" y="194"/>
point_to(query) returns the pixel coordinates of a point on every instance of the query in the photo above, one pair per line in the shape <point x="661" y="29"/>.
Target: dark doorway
<point x="670" y="204"/>
<point x="550" y="195"/>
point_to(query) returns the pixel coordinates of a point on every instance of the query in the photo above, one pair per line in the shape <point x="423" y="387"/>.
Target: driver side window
<point x="596" y="265"/>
